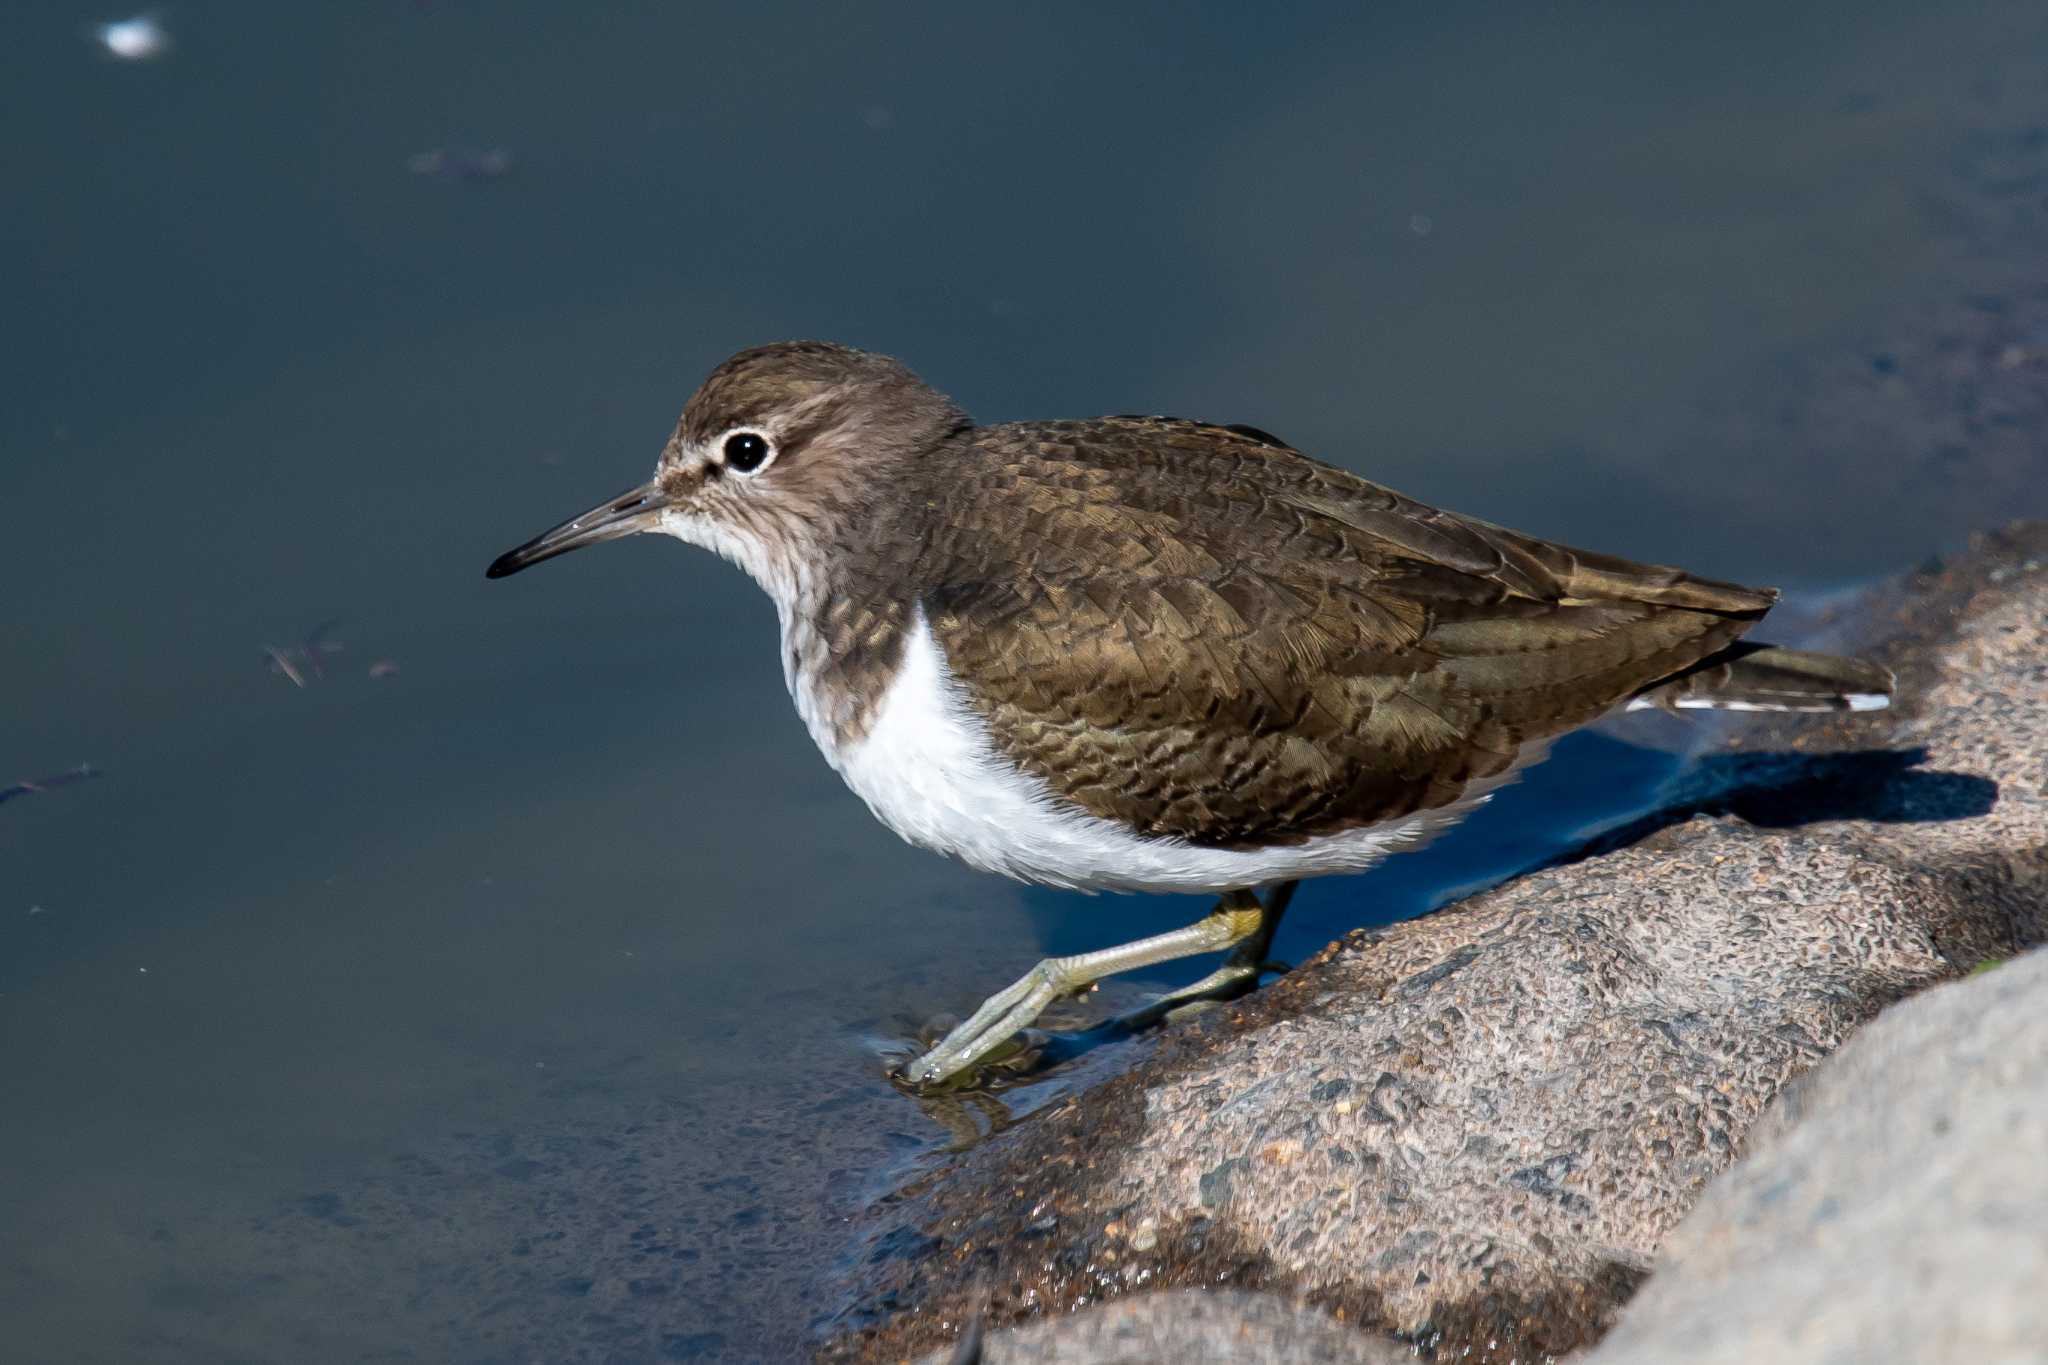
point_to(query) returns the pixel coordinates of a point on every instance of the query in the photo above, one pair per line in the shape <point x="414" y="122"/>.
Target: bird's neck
<point x="845" y="617"/>
<point x="845" y="579"/>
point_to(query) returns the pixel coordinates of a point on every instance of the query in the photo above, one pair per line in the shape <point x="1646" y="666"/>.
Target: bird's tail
<point x="1746" y="677"/>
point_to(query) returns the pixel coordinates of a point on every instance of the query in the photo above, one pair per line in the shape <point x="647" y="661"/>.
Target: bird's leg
<point x="1237" y="917"/>
<point x="1238" y="975"/>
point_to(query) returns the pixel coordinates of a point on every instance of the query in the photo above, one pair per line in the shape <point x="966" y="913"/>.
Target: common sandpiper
<point x="1153" y="654"/>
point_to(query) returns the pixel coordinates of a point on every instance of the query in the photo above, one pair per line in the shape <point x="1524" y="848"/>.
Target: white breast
<point x="927" y="769"/>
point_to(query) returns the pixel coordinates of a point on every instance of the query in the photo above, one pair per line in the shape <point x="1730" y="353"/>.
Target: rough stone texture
<point x="1474" y="1129"/>
<point x="1189" y="1327"/>
<point x="1891" y="1207"/>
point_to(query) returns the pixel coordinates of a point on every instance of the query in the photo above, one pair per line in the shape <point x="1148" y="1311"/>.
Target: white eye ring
<point x="744" y="450"/>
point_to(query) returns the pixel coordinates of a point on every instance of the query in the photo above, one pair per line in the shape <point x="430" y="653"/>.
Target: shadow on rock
<point x="1783" y="790"/>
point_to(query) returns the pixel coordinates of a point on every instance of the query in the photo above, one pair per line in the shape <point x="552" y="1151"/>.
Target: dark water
<point x="510" y="991"/>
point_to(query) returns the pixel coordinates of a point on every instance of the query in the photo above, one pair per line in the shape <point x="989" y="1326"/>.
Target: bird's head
<point x="782" y="447"/>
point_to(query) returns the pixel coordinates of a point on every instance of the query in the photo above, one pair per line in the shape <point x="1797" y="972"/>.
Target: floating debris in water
<point x="282" y="663"/>
<point x="43" y="784"/>
<point x="305" y="662"/>
<point x="140" y="39"/>
<point x="456" y="163"/>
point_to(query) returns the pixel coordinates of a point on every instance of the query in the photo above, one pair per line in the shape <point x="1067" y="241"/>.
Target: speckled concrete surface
<point x="1475" y="1129"/>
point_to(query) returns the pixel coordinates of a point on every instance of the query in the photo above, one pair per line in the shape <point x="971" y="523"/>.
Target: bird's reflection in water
<point x="970" y="1117"/>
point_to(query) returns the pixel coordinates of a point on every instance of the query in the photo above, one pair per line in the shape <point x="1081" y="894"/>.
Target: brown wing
<point x="1210" y="635"/>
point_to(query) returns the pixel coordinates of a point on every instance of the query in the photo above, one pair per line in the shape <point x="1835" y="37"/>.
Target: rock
<point x="1189" y="1327"/>
<point x="1474" y="1129"/>
<point x="1893" y="1205"/>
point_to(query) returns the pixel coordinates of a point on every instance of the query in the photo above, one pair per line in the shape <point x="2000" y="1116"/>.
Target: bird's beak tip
<point x="632" y="511"/>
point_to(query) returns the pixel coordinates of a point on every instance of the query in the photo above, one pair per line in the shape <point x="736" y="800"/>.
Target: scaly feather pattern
<point x="1198" y="631"/>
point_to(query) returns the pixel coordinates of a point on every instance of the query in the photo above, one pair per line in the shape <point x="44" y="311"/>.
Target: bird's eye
<point x="746" y="451"/>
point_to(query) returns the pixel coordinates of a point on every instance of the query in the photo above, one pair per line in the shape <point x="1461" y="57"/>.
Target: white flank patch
<point x="1715" y="704"/>
<point x="1856" y="701"/>
<point x="928" y="771"/>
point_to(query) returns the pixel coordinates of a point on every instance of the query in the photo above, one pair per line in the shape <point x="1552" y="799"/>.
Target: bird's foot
<point x="991" y="1035"/>
<point x="1006" y="1063"/>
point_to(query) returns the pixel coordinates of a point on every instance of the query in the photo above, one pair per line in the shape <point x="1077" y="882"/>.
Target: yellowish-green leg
<point x="1238" y="921"/>
<point x="1236" y="917"/>
<point x="1239" y="974"/>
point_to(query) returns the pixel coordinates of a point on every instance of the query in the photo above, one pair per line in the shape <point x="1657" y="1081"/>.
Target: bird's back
<point x="1203" y="633"/>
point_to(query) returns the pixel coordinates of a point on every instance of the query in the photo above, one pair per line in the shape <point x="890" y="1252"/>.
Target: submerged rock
<point x="1475" y="1129"/>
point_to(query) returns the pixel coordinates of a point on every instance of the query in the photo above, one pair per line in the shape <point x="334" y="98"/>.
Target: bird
<point x="1155" y="654"/>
